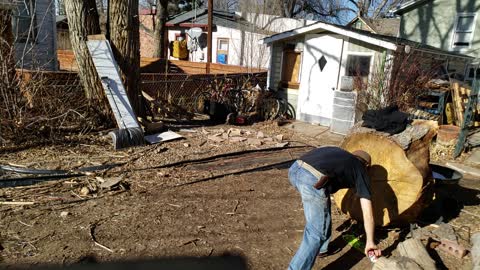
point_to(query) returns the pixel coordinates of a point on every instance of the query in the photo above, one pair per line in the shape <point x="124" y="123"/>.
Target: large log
<point x="400" y="173"/>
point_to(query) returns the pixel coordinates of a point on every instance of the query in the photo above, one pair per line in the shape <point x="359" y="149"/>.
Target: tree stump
<point x="401" y="178"/>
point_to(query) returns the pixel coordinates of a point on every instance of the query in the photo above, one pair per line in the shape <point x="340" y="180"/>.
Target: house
<point x="234" y="40"/>
<point x="311" y="64"/>
<point x="381" y="26"/>
<point x="34" y="34"/>
<point x="449" y="25"/>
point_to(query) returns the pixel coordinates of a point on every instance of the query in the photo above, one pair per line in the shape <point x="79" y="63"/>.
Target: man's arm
<point x="369" y="224"/>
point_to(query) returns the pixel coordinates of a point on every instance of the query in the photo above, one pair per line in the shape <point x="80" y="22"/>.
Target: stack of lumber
<point x="400" y="173"/>
<point x="460" y="96"/>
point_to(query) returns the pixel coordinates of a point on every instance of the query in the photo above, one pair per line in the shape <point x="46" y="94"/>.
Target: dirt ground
<point x="167" y="212"/>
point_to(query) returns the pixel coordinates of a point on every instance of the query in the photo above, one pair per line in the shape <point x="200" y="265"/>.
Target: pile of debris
<point x="235" y="135"/>
<point x="441" y="241"/>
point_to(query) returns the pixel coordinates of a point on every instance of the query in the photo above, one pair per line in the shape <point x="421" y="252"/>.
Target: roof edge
<point x="407" y="6"/>
<point x="330" y="28"/>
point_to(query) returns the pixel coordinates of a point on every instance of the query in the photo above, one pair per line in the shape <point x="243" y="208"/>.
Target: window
<point x="358" y="65"/>
<point x="463" y="31"/>
<point x="222" y="50"/>
<point x="24" y="21"/>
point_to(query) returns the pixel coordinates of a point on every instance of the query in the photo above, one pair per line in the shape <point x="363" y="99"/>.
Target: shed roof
<point x="365" y="36"/>
<point x="387" y="42"/>
<point x="220" y="18"/>
<point x="382" y="26"/>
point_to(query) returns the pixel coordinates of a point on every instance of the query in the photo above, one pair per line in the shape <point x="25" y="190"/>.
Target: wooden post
<point x="209" y="40"/>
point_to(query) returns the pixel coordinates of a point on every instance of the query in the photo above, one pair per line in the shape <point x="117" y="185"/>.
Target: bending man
<point x="316" y="175"/>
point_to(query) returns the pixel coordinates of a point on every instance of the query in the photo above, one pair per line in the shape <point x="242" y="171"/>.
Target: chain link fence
<point x="181" y="89"/>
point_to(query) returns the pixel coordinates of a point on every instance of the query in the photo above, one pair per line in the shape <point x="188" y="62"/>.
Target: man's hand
<point x="372" y="247"/>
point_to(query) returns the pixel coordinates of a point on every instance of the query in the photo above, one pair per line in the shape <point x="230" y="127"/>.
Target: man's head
<point x="363" y="156"/>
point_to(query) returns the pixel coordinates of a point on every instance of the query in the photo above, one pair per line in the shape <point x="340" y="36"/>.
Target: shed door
<point x="320" y="67"/>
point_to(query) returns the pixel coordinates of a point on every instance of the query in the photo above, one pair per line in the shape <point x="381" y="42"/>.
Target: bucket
<point x="448" y="134"/>
<point x="444" y="175"/>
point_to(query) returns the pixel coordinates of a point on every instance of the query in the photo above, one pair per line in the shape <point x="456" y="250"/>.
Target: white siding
<point x="243" y="49"/>
<point x="40" y="54"/>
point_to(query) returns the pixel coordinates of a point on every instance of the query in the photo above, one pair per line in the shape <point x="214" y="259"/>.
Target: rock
<point x="279" y="137"/>
<point x="162" y="174"/>
<point x="111" y="182"/>
<point x="186" y="144"/>
<point x="84" y="191"/>
<point x="446" y="231"/>
<point x="215" y="138"/>
<point x="260" y="135"/>
<point x="256" y="142"/>
<point x="281" y="144"/>
<point x="154" y="127"/>
<point x="64" y="214"/>
<point x="204" y="131"/>
<point x="234" y="132"/>
<point x="225" y="136"/>
<point x="268" y="139"/>
<point x="237" y="139"/>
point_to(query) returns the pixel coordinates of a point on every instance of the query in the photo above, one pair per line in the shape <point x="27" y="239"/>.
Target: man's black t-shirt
<point x="344" y="169"/>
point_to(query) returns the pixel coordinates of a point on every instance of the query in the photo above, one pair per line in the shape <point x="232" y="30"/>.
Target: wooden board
<point x="460" y="96"/>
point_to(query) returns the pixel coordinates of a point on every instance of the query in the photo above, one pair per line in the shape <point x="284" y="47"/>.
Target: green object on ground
<point x="354" y="241"/>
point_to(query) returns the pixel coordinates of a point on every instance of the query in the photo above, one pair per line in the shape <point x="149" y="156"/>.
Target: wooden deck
<point x="67" y="62"/>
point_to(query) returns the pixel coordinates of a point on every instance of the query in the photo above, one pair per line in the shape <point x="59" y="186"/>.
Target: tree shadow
<point x="352" y="256"/>
<point x="384" y="200"/>
<point x="448" y="203"/>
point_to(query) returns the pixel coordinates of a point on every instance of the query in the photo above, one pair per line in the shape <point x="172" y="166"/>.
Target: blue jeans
<point x="318" y="226"/>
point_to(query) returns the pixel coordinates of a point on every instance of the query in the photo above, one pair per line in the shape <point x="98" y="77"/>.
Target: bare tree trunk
<point x="8" y="84"/>
<point x="289" y="8"/>
<point x="159" y="34"/>
<point x="82" y="19"/>
<point x="6" y="47"/>
<point x="125" y="41"/>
